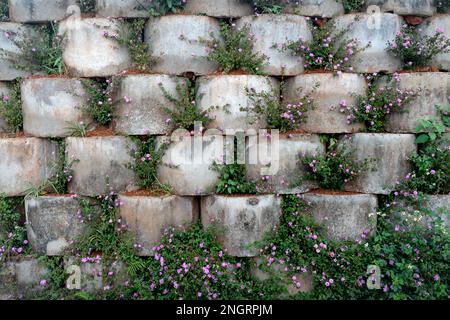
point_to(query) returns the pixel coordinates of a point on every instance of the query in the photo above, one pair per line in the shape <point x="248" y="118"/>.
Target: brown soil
<point x="19" y="134"/>
<point x="67" y="195"/>
<point x="297" y="131"/>
<point x="421" y="69"/>
<point x="101" y="131"/>
<point x="317" y="71"/>
<point x="232" y="73"/>
<point x="145" y="193"/>
<point x="413" y="20"/>
<point x="137" y="72"/>
<point x="333" y="192"/>
<point x="48" y="76"/>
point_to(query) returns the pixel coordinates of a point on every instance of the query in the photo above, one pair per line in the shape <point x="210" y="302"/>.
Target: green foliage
<point x="333" y="169"/>
<point x="236" y="52"/>
<point x="40" y="52"/>
<point x="232" y="179"/>
<point x="353" y="5"/>
<point x="416" y="50"/>
<point x="11" y="108"/>
<point x="87" y="6"/>
<point x="131" y="36"/>
<point x="279" y="115"/>
<point x="163" y="7"/>
<point x="374" y="107"/>
<point x="4" y="11"/>
<point x="430" y="130"/>
<point x="12" y="232"/>
<point x="147" y="156"/>
<point x="78" y="129"/>
<point x="99" y="106"/>
<point x="329" y="49"/>
<point x="270" y="6"/>
<point x="186" y="112"/>
<point x="443" y="6"/>
<point x="62" y="170"/>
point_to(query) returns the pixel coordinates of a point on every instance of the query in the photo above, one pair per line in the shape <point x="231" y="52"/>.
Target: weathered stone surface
<point x="283" y="158"/>
<point x="188" y="171"/>
<point x="317" y="8"/>
<point x="29" y="272"/>
<point x="227" y="95"/>
<point x="88" y="52"/>
<point x="405" y="7"/>
<point x="51" y="105"/>
<point x="103" y="164"/>
<point x="123" y="8"/>
<point x="439" y="206"/>
<point x="8" y="32"/>
<point x="429" y="27"/>
<point x="52" y="223"/>
<point x="4" y="91"/>
<point x="25" y="163"/>
<point x="148" y="216"/>
<point x="177" y="48"/>
<point x="434" y="89"/>
<point x="326" y="117"/>
<point x="270" y="30"/>
<point x="8" y="290"/>
<point x="38" y="10"/>
<point x="344" y="216"/>
<point x="376" y="29"/>
<point x="221" y="9"/>
<point x="303" y="282"/>
<point x="241" y="220"/>
<point x="389" y="160"/>
<point x="140" y="104"/>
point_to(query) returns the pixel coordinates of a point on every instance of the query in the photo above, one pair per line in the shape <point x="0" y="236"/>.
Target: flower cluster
<point x="329" y="49"/>
<point x="416" y="50"/>
<point x="100" y="106"/>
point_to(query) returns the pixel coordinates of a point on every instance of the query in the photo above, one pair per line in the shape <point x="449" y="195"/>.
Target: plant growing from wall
<point x="130" y="35"/>
<point x="13" y="239"/>
<point x="236" y="51"/>
<point x="87" y="6"/>
<point x="431" y="130"/>
<point x="270" y="6"/>
<point x="416" y="50"/>
<point x="163" y="7"/>
<point x="381" y="99"/>
<point x="4" y="11"/>
<point x="232" y="179"/>
<point x="353" y="5"/>
<point x="11" y="108"/>
<point x="99" y="105"/>
<point x="147" y="156"/>
<point x="333" y="169"/>
<point x="40" y="52"/>
<point x="278" y="115"/>
<point x="329" y="49"/>
<point x="442" y="6"/>
<point x="186" y="112"/>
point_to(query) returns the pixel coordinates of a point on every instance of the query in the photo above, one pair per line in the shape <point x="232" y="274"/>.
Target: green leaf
<point x="423" y="138"/>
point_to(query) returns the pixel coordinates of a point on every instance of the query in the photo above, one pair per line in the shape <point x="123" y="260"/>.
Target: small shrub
<point x="87" y="6"/>
<point x="99" y="106"/>
<point x="163" y="7"/>
<point x="417" y="50"/>
<point x="374" y="107"/>
<point x="130" y="36"/>
<point x="147" y="157"/>
<point x="186" y="112"/>
<point x="11" y="108"/>
<point x="282" y="116"/>
<point x="431" y="130"/>
<point x="270" y="6"/>
<point x="4" y="11"/>
<point x="236" y="53"/>
<point x="42" y="52"/>
<point x="12" y="233"/>
<point x="353" y="5"/>
<point x="328" y="50"/>
<point x="232" y="179"/>
<point x="333" y="169"/>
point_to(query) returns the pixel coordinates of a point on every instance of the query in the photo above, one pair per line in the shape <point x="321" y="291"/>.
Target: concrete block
<point x="140" y="104"/>
<point x="270" y="30"/>
<point x="227" y="95"/>
<point x="148" y="216"/>
<point x="389" y="155"/>
<point x="51" y="105"/>
<point x="345" y="216"/>
<point x="52" y="223"/>
<point x="103" y="163"/>
<point x="123" y="8"/>
<point x="376" y="29"/>
<point x="405" y="7"/>
<point x="25" y="163"/>
<point x="317" y="8"/>
<point x="332" y="90"/>
<point x="220" y="9"/>
<point x="29" y="272"/>
<point x="38" y="10"/>
<point x="177" y="48"/>
<point x="284" y="160"/>
<point x="241" y="220"/>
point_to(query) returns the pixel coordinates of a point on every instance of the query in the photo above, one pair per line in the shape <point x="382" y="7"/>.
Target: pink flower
<point x="43" y="283"/>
